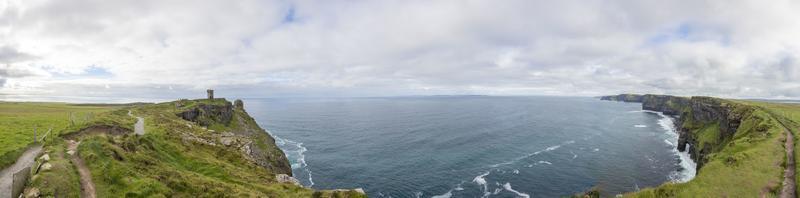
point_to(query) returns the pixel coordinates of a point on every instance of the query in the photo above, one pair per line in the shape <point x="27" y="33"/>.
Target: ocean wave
<point x="297" y="151"/>
<point x="548" y="149"/>
<point x="507" y="186"/>
<point x="448" y="194"/>
<point x="544" y="162"/>
<point x="640" y="126"/>
<point x="481" y="181"/>
<point x="573" y="155"/>
<point x="688" y="166"/>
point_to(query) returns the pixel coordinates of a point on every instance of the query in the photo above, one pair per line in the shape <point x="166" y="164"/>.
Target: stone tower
<point x="210" y="94"/>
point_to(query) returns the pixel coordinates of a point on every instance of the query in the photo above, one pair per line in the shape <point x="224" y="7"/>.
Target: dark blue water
<point x="471" y="146"/>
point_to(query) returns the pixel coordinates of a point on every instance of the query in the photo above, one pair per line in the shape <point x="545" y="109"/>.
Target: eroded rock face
<point x="206" y="114"/>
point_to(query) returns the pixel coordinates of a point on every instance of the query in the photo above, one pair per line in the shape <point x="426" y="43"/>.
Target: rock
<point x="31" y="192"/>
<point x="207" y="114"/>
<point x="238" y="104"/>
<point x="71" y="152"/>
<point x="45" y="157"/>
<point x="46" y="166"/>
<point x="284" y="178"/>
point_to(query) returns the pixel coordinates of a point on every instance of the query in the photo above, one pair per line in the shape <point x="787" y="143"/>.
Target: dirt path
<point x="789" y="187"/>
<point x="6" y="175"/>
<point x="87" y="186"/>
<point x="138" y="128"/>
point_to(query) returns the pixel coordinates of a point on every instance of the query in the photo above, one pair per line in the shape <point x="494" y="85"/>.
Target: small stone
<point x="31" y="192"/>
<point x="46" y="166"/>
<point x="71" y="152"/>
<point x="284" y="178"/>
<point x="45" y="157"/>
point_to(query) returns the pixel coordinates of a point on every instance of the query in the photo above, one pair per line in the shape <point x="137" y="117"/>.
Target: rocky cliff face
<point x="706" y="113"/>
<point x="237" y="130"/>
<point x="695" y="115"/>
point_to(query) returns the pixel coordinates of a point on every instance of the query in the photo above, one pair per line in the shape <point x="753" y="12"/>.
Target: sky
<point x="166" y="49"/>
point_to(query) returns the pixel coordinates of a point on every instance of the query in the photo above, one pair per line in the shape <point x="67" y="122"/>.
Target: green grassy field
<point x="19" y="119"/>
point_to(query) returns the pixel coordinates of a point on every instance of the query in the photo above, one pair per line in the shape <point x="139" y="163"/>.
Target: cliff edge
<point x="736" y="145"/>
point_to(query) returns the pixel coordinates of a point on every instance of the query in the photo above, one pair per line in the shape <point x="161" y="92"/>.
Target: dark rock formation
<point x="238" y="104"/>
<point x="207" y="114"/>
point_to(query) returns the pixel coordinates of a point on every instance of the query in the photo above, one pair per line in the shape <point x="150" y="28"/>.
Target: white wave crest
<point x="640" y="126"/>
<point x="448" y="194"/>
<point x="507" y="186"/>
<point x="688" y="166"/>
<point x="295" y="150"/>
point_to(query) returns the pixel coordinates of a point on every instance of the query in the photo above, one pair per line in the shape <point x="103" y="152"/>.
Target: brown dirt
<point x="789" y="188"/>
<point x="87" y="186"/>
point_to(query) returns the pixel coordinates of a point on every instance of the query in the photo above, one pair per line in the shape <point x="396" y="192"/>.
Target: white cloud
<point x="265" y="48"/>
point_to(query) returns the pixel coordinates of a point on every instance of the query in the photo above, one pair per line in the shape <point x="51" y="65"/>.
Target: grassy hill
<point x="191" y="148"/>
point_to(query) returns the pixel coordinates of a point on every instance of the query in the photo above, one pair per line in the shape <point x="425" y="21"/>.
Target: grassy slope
<point x="749" y="165"/>
<point x="18" y="120"/>
<point x="160" y="163"/>
<point x="791" y="115"/>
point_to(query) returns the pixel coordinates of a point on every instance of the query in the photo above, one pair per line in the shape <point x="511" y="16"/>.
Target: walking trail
<point x="7" y="174"/>
<point x="789" y="190"/>
<point x="87" y="186"/>
<point x="138" y="128"/>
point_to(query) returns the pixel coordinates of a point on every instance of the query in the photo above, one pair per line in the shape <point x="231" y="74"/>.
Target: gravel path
<point x="87" y="186"/>
<point x="138" y="128"/>
<point x="789" y="187"/>
<point x="6" y="175"/>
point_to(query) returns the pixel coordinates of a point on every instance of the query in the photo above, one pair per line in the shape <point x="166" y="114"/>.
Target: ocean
<point x="473" y="146"/>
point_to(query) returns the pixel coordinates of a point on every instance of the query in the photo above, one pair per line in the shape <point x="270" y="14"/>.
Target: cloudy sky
<point x="262" y="48"/>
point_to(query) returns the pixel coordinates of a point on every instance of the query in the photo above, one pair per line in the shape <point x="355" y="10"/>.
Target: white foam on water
<point x="516" y="171"/>
<point x="573" y="155"/>
<point x="298" y="153"/>
<point x="688" y="166"/>
<point x="480" y="180"/>
<point x="418" y="194"/>
<point x="548" y="149"/>
<point x="507" y="186"/>
<point x="640" y="126"/>
<point x="545" y="162"/>
<point x="596" y="149"/>
<point x="458" y="188"/>
<point x="445" y="195"/>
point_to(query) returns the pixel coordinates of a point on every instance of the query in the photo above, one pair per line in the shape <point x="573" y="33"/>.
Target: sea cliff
<point x="736" y="145"/>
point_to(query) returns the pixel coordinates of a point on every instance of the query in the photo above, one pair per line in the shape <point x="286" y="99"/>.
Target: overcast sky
<point x="174" y="49"/>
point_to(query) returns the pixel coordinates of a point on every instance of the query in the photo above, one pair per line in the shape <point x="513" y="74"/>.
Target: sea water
<point x="473" y="146"/>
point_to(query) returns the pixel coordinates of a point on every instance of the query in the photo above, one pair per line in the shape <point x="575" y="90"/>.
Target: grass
<point x="162" y="164"/>
<point x="19" y="119"/>
<point x="747" y="165"/>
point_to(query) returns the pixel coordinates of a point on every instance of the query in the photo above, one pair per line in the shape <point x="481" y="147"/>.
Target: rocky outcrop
<point x="207" y="114"/>
<point x="241" y="132"/>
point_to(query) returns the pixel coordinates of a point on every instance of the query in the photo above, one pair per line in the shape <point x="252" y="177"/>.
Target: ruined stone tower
<point x="210" y="94"/>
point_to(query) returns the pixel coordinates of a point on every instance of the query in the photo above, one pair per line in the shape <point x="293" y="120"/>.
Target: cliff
<point x="731" y="142"/>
